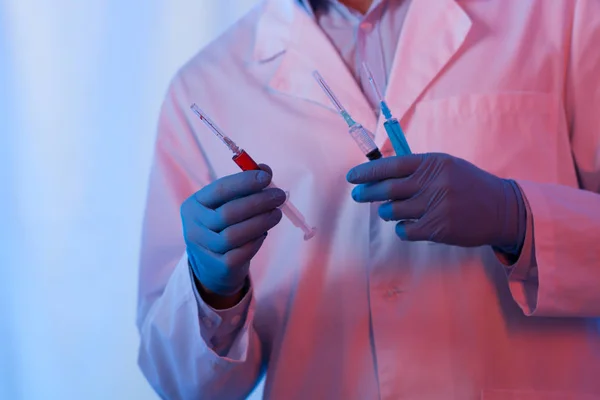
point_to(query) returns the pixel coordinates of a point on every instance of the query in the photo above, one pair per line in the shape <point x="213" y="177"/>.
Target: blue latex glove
<point x="224" y="226"/>
<point x="443" y="199"/>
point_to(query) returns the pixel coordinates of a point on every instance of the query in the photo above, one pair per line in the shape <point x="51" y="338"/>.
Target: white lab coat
<point x="355" y="313"/>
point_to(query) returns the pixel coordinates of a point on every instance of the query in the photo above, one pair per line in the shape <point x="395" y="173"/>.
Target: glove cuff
<point x="515" y="219"/>
<point x="217" y="287"/>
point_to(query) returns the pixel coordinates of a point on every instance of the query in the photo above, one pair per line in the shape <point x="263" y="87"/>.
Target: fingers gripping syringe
<point x="246" y="163"/>
<point x="360" y="135"/>
<point x="391" y="125"/>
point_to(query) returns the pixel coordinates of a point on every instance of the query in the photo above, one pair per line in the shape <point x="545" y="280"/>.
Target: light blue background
<point x="81" y="83"/>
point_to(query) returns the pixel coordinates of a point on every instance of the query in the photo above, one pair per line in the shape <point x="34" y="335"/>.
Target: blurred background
<point x="81" y="83"/>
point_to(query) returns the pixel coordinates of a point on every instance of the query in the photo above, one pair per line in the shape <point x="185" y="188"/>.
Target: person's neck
<point x="361" y="6"/>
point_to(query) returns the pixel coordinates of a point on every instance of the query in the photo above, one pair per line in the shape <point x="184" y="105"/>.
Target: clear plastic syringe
<point x="246" y="163"/>
<point x="358" y="132"/>
<point x="391" y="124"/>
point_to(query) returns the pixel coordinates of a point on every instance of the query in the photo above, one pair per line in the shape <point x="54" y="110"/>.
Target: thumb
<point x="266" y="168"/>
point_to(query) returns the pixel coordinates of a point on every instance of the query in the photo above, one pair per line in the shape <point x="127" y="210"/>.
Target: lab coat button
<point x="235" y="320"/>
<point x="392" y="292"/>
<point x="366" y="26"/>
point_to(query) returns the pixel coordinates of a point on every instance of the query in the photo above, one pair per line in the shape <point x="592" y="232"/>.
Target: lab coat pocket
<point x="512" y="134"/>
<point x="499" y="394"/>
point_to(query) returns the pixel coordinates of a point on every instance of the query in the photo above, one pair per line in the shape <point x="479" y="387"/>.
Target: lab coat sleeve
<point x="563" y="275"/>
<point x="182" y="351"/>
<point x="221" y="327"/>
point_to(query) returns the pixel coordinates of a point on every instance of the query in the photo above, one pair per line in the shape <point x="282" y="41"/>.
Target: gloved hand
<point x="443" y="199"/>
<point x="224" y="226"/>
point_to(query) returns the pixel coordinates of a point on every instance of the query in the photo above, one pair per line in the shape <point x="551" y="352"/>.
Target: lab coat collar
<point x="431" y="37"/>
<point x="312" y="5"/>
<point x="432" y="34"/>
<point x="288" y="32"/>
<point x="273" y="29"/>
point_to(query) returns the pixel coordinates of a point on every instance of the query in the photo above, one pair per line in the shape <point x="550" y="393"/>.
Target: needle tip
<point x="368" y="72"/>
<point x="372" y="81"/>
<point x="197" y="111"/>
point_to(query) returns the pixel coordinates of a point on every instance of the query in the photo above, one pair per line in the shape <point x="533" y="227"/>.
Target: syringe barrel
<point x="363" y="139"/>
<point x="246" y="163"/>
<point x="394" y="131"/>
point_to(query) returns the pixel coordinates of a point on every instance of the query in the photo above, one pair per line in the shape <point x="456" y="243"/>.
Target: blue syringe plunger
<point x="391" y="125"/>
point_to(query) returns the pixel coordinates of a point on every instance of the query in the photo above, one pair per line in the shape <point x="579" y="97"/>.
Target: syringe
<point x="391" y="125"/>
<point x="359" y="133"/>
<point x="246" y="163"/>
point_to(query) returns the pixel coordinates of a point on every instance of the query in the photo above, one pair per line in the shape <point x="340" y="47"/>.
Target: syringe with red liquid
<point x="246" y="163"/>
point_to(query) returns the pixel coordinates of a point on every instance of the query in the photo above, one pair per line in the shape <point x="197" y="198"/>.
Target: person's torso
<point x="355" y="313"/>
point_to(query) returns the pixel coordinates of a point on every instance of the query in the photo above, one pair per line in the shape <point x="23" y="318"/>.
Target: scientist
<point x="469" y="270"/>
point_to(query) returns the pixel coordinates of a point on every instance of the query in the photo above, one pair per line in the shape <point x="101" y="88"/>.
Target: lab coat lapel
<point x="432" y="34"/>
<point x="286" y="31"/>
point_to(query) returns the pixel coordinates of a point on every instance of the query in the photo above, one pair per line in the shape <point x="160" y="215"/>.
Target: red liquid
<point x="245" y="162"/>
